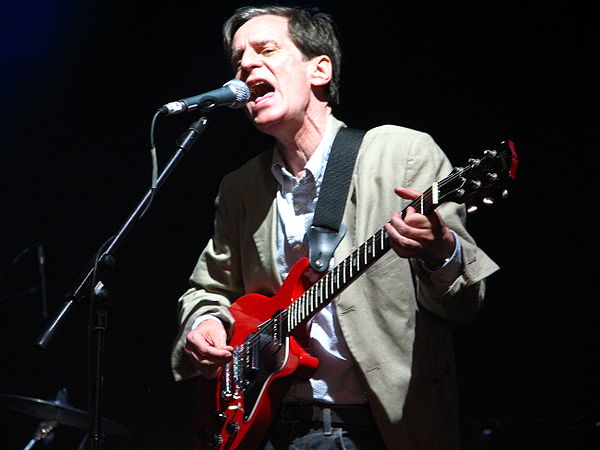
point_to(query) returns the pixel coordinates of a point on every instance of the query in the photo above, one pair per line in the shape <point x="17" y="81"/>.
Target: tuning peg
<point x="471" y="209"/>
<point x="491" y="177"/>
<point x="475" y="184"/>
<point x="488" y="201"/>
<point x="474" y="162"/>
<point x="505" y="193"/>
<point x="490" y="153"/>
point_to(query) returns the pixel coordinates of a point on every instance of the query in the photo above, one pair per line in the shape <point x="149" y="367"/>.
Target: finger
<point x="407" y="193"/>
<point x="402" y="245"/>
<point x="208" y="364"/>
<point x="430" y="221"/>
<point x="205" y="351"/>
<point x="413" y="226"/>
<point x="209" y="333"/>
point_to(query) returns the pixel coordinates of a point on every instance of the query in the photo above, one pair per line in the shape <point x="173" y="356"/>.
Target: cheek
<point x="296" y="85"/>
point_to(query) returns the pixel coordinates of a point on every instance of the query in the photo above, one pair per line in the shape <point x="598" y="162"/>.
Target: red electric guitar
<point x="237" y="407"/>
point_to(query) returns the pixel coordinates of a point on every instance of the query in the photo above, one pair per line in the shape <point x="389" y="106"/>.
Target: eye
<point x="236" y="60"/>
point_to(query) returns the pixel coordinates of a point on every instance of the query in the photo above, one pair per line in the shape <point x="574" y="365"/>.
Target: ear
<point x="321" y="70"/>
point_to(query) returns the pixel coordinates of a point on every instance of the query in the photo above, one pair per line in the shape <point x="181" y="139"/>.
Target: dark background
<point x="80" y="84"/>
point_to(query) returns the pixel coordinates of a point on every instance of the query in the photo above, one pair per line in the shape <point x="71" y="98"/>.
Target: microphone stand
<point x="91" y="285"/>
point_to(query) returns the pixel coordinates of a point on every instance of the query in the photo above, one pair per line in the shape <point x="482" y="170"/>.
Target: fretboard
<point x="492" y="171"/>
<point x="334" y="281"/>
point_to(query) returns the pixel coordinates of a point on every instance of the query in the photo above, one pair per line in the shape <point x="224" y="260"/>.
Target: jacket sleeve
<point x="215" y="281"/>
<point x="461" y="298"/>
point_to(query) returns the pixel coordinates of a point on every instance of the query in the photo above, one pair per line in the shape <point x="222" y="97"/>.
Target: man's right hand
<point x="206" y="345"/>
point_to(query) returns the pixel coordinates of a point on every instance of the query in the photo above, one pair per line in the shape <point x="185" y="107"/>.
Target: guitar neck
<point x="334" y="281"/>
<point x="461" y="185"/>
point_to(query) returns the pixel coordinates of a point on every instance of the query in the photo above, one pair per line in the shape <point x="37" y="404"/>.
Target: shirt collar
<point x="315" y="166"/>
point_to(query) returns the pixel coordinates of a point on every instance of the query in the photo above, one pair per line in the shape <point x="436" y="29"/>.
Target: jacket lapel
<point x="263" y="219"/>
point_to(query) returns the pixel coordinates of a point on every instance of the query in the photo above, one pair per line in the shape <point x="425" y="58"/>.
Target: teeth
<point x="257" y="85"/>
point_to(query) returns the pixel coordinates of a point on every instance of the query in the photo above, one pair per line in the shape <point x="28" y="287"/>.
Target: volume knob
<point x="232" y="427"/>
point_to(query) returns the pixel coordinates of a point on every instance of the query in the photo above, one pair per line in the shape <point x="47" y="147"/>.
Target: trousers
<point x="326" y="429"/>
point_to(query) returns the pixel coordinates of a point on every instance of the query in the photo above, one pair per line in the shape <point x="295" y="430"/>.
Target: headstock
<point x="484" y="178"/>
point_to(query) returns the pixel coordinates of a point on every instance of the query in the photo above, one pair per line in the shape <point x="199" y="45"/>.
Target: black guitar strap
<point x="327" y="229"/>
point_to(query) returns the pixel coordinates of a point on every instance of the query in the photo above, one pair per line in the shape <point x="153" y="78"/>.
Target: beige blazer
<point x="394" y="319"/>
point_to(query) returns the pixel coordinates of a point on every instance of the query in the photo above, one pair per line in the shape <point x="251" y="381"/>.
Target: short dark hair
<point x="313" y="32"/>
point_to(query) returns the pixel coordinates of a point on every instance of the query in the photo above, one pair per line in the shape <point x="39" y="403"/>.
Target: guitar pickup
<point x="260" y="349"/>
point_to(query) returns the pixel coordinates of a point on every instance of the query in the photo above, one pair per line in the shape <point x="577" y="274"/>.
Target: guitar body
<point x="237" y="407"/>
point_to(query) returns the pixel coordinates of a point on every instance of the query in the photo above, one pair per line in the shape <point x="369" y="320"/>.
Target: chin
<point x="266" y="121"/>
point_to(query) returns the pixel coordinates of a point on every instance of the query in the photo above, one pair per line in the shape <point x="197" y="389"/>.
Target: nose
<point x="250" y="60"/>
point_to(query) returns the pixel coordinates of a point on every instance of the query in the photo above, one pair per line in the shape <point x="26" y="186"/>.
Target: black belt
<point x="326" y="413"/>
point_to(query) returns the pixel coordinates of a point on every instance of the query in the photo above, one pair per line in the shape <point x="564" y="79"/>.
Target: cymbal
<point x="59" y="412"/>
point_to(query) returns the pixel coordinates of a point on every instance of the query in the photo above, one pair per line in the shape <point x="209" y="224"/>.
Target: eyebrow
<point x="236" y="53"/>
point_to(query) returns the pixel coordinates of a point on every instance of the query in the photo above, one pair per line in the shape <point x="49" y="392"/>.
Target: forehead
<point x="260" y="29"/>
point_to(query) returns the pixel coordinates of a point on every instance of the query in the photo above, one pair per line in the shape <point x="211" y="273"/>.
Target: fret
<point x="298" y="312"/>
<point x="333" y="281"/>
<point x="375" y="246"/>
<point x="435" y="192"/>
<point x="307" y="306"/>
<point x="320" y="291"/>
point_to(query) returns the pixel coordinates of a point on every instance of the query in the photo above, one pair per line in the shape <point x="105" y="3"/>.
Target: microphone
<point x="234" y="93"/>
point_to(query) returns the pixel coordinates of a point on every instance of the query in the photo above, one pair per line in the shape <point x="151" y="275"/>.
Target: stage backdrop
<point x="81" y="82"/>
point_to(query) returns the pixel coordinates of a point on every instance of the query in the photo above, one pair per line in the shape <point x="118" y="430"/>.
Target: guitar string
<point x="351" y="263"/>
<point x="302" y="303"/>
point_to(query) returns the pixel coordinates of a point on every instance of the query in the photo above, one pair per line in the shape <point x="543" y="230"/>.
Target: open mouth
<point x="260" y="90"/>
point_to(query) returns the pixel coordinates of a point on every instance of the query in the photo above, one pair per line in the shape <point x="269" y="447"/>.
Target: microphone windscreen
<point x="241" y="90"/>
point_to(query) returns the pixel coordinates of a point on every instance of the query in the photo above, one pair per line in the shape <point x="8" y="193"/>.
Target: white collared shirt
<point x="335" y="380"/>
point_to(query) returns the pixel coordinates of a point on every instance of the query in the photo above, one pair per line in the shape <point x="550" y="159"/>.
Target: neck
<point x="298" y="143"/>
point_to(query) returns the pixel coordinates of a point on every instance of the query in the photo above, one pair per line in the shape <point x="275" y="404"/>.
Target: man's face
<point x="275" y="70"/>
